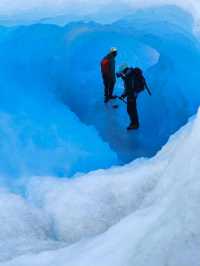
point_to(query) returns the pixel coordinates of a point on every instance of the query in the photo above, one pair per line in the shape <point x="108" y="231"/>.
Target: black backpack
<point x="139" y="80"/>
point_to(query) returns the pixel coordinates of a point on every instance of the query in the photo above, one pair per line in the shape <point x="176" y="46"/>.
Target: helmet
<point x="123" y="67"/>
<point x="113" y="50"/>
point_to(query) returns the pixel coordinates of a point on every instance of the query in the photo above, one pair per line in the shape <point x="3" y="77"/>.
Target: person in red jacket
<point x="108" y="74"/>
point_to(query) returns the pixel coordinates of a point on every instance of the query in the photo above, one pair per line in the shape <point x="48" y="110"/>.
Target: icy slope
<point x="159" y="197"/>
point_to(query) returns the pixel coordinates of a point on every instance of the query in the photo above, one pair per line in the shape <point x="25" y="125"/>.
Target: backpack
<point x="139" y="80"/>
<point x="105" y="66"/>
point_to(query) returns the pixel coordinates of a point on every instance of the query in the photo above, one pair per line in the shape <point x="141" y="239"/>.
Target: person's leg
<point x="106" y="89"/>
<point x="133" y="114"/>
<point x="129" y="110"/>
<point x="111" y="89"/>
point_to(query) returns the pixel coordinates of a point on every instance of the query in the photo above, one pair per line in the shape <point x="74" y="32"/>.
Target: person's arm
<point x="122" y="76"/>
<point x="125" y="93"/>
<point x="127" y="75"/>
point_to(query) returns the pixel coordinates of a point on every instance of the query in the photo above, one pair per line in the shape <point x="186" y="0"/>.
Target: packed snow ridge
<point x="145" y="212"/>
<point x="53" y="125"/>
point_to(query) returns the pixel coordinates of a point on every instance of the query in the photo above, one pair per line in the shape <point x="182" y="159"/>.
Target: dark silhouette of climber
<point x="134" y="83"/>
<point x="108" y="74"/>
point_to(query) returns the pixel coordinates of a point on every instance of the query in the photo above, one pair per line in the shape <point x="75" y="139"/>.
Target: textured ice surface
<point x="143" y="213"/>
<point x="150" y="208"/>
<point x="60" y="12"/>
<point x="38" y="133"/>
<point x="65" y="61"/>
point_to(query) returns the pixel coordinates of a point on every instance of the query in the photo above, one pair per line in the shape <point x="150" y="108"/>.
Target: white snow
<point x="101" y="10"/>
<point x="147" y="212"/>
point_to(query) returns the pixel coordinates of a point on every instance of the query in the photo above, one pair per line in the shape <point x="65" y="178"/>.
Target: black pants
<point x="132" y="110"/>
<point x="109" y="85"/>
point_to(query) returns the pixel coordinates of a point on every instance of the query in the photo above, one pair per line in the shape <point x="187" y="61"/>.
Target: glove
<point x="122" y="96"/>
<point x="118" y="75"/>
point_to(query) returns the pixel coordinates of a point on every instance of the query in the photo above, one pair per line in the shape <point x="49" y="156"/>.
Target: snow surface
<point x="143" y="213"/>
<point x="62" y="11"/>
<point x="159" y="199"/>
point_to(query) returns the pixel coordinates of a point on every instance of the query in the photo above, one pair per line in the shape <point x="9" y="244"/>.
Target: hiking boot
<point x="132" y="126"/>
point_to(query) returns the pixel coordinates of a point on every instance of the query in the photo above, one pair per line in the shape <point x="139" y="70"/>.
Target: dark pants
<point x="109" y="85"/>
<point x="132" y="110"/>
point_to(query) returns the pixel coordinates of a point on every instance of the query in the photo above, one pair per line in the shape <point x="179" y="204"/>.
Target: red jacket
<point x="108" y="67"/>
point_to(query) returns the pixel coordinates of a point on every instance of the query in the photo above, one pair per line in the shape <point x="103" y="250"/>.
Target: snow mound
<point x="150" y="208"/>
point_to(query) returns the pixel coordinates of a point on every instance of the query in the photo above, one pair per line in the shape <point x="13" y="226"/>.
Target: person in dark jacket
<point x="134" y="82"/>
<point x="108" y="74"/>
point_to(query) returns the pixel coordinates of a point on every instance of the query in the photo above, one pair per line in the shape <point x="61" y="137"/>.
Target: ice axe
<point x="148" y="90"/>
<point x="115" y="106"/>
<point x="122" y="99"/>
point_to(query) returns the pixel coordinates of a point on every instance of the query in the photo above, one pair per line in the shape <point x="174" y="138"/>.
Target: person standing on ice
<point x="134" y="83"/>
<point x="108" y="74"/>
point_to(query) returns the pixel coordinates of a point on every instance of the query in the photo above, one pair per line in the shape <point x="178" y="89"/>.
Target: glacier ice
<point x="69" y="58"/>
<point x="143" y="213"/>
<point x="147" y="212"/>
<point x="45" y="137"/>
<point x="104" y="11"/>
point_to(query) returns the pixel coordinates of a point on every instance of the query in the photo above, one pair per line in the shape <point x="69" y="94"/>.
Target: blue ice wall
<point x="162" y="42"/>
<point x="39" y="135"/>
<point x="51" y="91"/>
